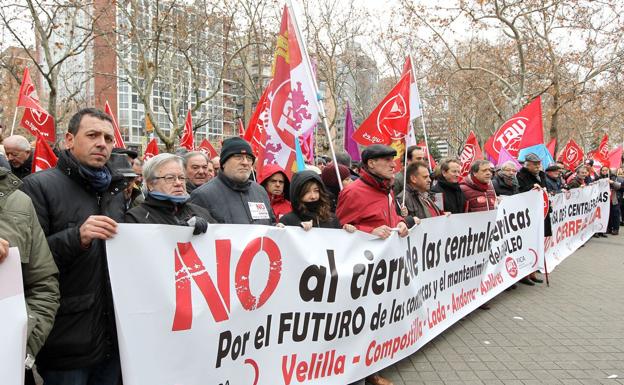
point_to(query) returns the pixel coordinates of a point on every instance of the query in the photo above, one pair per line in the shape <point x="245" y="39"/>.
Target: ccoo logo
<point x="512" y="267"/>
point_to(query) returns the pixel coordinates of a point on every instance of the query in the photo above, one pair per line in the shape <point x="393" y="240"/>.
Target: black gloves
<point x="200" y="225"/>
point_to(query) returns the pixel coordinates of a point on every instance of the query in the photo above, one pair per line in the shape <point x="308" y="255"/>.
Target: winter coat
<point x="296" y="216"/>
<point x="479" y="197"/>
<point x="20" y="227"/>
<point x="554" y="186"/>
<point x="157" y="211"/>
<point x="279" y="203"/>
<point x="368" y="203"/>
<point x="502" y="188"/>
<point x="452" y="194"/>
<point x="84" y="331"/>
<point x="418" y="204"/>
<point x="526" y="181"/>
<point x="231" y="202"/>
<point x="25" y="169"/>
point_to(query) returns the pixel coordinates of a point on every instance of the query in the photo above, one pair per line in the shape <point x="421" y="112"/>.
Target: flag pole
<point x="422" y="115"/>
<point x="404" y="171"/>
<point x="306" y="60"/>
<point x="14" y="119"/>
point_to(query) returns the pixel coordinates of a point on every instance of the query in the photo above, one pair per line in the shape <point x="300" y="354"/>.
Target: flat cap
<point x="532" y="157"/>
<point x="377" y="151"/>
<point x="553" y="167"/>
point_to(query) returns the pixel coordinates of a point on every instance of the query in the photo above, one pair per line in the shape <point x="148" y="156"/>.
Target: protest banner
<point x="263" y="305"/>
<point x="577" y="214"/>
<point x="13" y="322"/>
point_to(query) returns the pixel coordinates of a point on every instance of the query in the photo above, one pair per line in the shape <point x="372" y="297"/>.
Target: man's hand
<point x="403" y="230"/>
<point x="447" y="214"/>
<point x="306" y="225"/>
<point x="4" y="249"/>
<point x="97" y="227"/>
<point x="536" y="186"/>
<point x="382" y="232"/>
<point x="416" y="220"/>
<point x="404" y="211"/>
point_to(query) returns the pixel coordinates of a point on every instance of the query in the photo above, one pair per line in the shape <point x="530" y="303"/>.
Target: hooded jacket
<point x="479" y="197"/>
<point x="84" y="331"/>
<point x="279" y="203"/>
<point x="368" y="203"/>
<point x="20" y="227"/>
<point x="296" y="216"/>
<point x="452" y="194"/>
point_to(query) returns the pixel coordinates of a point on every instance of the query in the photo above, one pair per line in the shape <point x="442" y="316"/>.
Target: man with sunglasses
<point x="231" y="197"/>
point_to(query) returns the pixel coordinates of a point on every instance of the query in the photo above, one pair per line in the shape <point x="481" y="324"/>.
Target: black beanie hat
<point x="234" y="145"/>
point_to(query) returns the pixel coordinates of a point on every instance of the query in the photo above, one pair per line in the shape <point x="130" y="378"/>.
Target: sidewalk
<point x="569" y="333"/>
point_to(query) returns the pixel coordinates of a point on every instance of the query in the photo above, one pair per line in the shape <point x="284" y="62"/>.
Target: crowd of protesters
<point x="61" y="217"/>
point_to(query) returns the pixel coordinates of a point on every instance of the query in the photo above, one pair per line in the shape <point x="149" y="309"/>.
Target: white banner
<point x="262" y="305"/>
<point x="13" y="320"/>
<point x="576" y="215"/>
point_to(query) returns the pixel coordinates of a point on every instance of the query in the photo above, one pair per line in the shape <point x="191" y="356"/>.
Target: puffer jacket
<point x="165" y="212"/>
<point x="231" y="202"/>
<point x="479" y="197"/>
<point x="84" y="331"/>
<point x="20" y="227"/>
<point x="279" y="203"/>
<point x="296" y="216"/>
<point x="368" y="203"/>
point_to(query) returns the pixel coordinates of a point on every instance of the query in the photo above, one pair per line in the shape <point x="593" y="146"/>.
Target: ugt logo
<point x="188" y="266"/>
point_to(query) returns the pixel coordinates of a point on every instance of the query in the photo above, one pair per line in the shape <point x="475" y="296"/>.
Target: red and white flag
<point x="551" y="147"/>
<point x="415" y="104"/>
<point x="523" y="130"/>
<point x="119" y="142"/>
<point x="187" y="140"/>
<point x="206" y="147"/>
<point x="293" y="107"/>
<point x="470" y="153"/>
<point x="39" y="123"/>
<point x="602" y="153"/>
<point x="35" y="119"/>
<point x="28" y="94"/>
<point x="43" y="157"/>
<point x="571" y="156"/>
<point x="151" y="150"/>
<point x="390" y="120"/>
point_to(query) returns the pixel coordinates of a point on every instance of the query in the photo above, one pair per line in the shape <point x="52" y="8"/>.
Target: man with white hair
<point x="19" y="154"/>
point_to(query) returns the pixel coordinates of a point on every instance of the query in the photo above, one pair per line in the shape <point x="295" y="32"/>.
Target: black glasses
<point x="170" y="179"/>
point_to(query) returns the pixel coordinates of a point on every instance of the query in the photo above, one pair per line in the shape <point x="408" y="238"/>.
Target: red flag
<point x="470" y="153"/>
<point x="119" y="143"/>
<point x="523" y="130"/>
<point x="39" y="123"/>
<point x="187" y="137"/>
<point x="551" y="147"/>
<point x="571" y="156"/>
<point x="241" y="128"/>
<point x="27" y="93"/>
<point x="151" y="150"/>
<point x="432" y="162"/>
<point x="602" y="153"/>
<point x="256" y="129"/>
<point x="615" y="157"/>
<point x="390" y="119"/>
<point x="43" y="157"/>
<point x="206" y="147"/>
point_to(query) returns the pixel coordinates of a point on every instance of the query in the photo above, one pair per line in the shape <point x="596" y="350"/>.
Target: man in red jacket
<point x="478" y="188"/>
<point x="369" y="205"/>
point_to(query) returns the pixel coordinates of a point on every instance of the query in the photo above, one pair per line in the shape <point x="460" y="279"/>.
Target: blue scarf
<point x="98" y="178"/>
<point x="178" y="199"/>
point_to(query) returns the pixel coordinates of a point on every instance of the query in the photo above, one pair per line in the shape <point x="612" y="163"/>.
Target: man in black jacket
<point x="231" y="197"/>
<point x="79" y="203"/>
<point x="19" y="154"/>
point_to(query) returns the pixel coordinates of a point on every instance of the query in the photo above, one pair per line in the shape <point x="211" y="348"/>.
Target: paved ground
<point x="570" y="333"/>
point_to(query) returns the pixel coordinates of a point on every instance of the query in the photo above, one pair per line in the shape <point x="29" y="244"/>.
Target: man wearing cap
<point x="368" y="204"/>
<point x="554" y="182"/>
<point x="120" y="162"/>
<point x="231" y="197"/>
<point x="532" y="177"/>
<point x="79" y="203"/>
